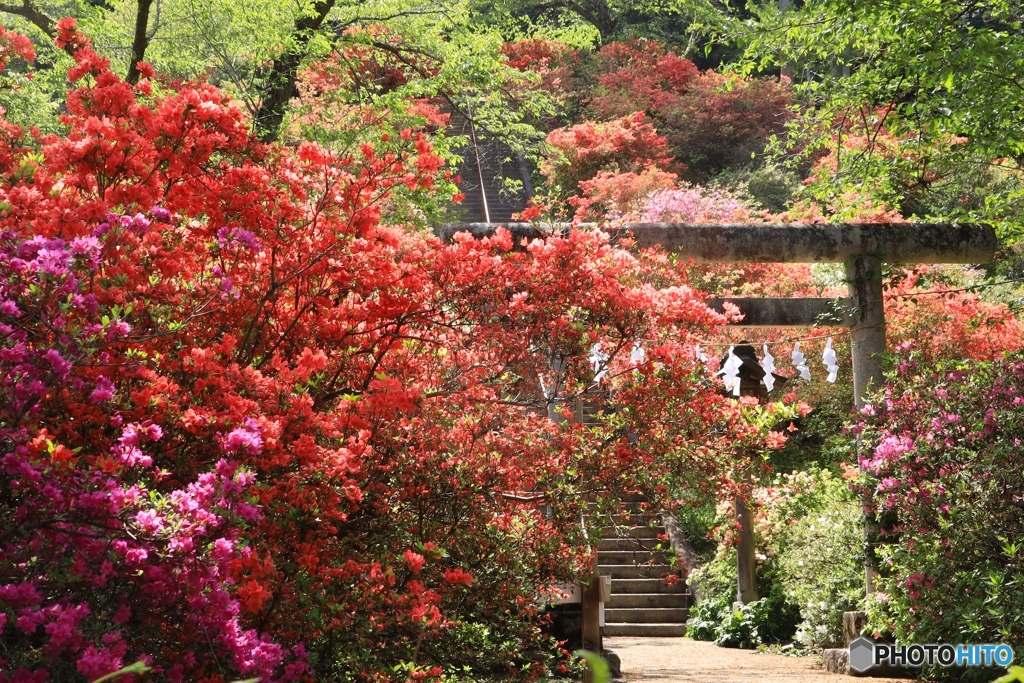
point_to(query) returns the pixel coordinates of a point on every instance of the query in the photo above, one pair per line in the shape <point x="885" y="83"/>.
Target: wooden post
<point x="746" y="562"/>
<point x="591" y="599"/>
<point x="751" y="375"/>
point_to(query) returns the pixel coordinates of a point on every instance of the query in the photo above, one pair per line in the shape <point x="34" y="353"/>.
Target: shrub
<point x="693" y="204"/>
<point x="616" y="195"/>
<point x="748" y="626"/>
<point x="942" y="459"/>
<point x="822" y="567"/>
<point x="810" y="525"/>
<point x="718" y="617"/>
<point x="707" y="616"/>
<point x="960" y="324"/>
<point x="712" y="121"/>
<point x="722" y="121"/>
<point x="770" y="187"/>
<point x="625" y="145"/>
<point x="636" y="75"/>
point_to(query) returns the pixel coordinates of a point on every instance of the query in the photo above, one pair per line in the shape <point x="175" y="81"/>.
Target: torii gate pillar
<point x="867" y="347"/>
<point x="867" y="326"/>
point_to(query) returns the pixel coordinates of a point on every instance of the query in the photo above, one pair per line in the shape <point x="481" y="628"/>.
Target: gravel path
<point x="681" y="660"/>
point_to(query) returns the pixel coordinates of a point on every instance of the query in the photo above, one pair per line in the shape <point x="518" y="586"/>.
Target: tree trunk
<point x="141" y="40"/>
<point x="280" y="86"/>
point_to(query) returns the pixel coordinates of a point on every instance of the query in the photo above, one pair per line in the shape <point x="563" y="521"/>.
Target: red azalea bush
<point x="723" y="121"/>
<point x="616" y="195"/>
<point x="249" y="428"/>
<point x="626" y="145"/>
<point x="334" y="91"/>
<point x="955" y="325"/>
<point x="14" y="45"/>
<point x="942" y="463"/>
<point x="636" y="75"/>
<point x="555" y="63"/>
<point x="711" y="121"/>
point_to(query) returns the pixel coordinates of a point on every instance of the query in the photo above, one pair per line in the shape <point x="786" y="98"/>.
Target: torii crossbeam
<point x="862" y="247"/>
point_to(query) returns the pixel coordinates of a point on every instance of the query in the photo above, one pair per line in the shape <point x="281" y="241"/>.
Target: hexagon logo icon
<point x="862" y="654"/>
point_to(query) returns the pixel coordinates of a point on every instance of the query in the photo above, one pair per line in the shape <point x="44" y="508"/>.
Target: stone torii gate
<point x="862" y="248"/>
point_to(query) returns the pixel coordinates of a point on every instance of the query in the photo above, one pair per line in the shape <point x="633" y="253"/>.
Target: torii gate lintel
<point x="861" y="247"/>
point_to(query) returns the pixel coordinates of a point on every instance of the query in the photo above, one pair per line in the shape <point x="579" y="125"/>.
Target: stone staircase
<point x="642" y="602"/>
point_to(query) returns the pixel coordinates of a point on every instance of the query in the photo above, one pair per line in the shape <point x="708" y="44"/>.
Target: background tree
<point x="925" y="73"/>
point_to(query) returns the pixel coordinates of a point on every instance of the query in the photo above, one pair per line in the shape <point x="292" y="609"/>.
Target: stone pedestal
<point x="837" y="660"/>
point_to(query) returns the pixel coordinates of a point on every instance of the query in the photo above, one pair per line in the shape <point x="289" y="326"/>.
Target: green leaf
<point x="597" y="665"/>
<point x="1015" y="674"/>
<point x="136" y="668"/>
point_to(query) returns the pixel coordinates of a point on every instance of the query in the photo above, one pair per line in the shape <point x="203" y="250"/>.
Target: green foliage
<point x="1015" y="674"/>
<point x="686" y="23"/>
<point x="136" y="668"/>
<point x="35" y="101"/>
<point x="706" y="617"/>
<point x="233" y="45"/>
<point x="747" y="626"/>
<point x="771" y="619"/>
<point x="816" y="442"/>
<point x="822" y="567"/>
<point x="770" y="186"/>
<point x="227" y="42"/>
<point x="810" y="567"/>
<point x="696" y="520"/>
<point x="940" y="78"/>
<point x="944" y="66"/>
<point x="809" y="526"/>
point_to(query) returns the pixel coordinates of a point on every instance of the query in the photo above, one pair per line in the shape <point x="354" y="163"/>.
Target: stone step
<point x="625" y="600"/>
<point x="631" y="557"/>
<point x="633" y="532"/>
<point x="613" y="544"/>
<point x="632" y="519"/>
<point x="632" y="586"/>
<point x="644" y="630"/>
<point x="647" y="615"/>
<point x="633" y="498"/>
<point x="620" y="571"/>
<point x="639" y="506"/>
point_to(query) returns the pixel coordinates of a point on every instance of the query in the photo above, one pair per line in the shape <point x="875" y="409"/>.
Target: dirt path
<point x="681" y="660"/>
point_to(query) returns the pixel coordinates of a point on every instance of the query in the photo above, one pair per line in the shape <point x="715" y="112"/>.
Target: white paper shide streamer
<point x="638" y="355"/>
<point x="598" y="359"/>
<point x="800" y="362"/>
<point x="699" y="354"/>
<point x="829" y="359"/>
<point x="730" y="372"/>
<point x="768" y="365"/>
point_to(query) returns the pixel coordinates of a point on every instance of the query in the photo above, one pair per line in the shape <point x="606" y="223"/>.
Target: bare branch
<point x="28" y="10"/>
